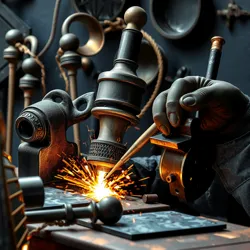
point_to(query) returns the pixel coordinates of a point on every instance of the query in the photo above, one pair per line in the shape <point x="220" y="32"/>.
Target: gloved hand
<point x="220" y="104"/>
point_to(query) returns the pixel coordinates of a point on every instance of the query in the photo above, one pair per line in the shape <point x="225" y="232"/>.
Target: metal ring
<point x="96" y="34"/>
<point x="69" y="213"/>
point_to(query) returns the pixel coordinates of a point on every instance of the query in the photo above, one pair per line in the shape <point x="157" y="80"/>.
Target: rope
<point x="24" y="49"/>
<point x="37" y="230"/>
<point x="119" y="24"/>
<point x="116" y="25"/>
<point x="63" y="73"/>
<point x="160" y="73"/>
<point x="53" y="28"/>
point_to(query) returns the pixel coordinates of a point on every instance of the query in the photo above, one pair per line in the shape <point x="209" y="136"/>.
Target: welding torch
<point x="212" y="71"/>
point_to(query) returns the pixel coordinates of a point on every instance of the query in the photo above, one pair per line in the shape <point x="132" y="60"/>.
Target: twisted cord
<point x="24" y="49"/>
<point x="59" y="223"/>
<point x="160" y="73"/>
<point x="62" y="71"/>
<point x="53" y="28"/>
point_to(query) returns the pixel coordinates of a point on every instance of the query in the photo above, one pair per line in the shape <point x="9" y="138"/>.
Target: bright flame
<point x="100" y="190"/>
<point x="80" y="174"/>
<point x="25" y="247"/>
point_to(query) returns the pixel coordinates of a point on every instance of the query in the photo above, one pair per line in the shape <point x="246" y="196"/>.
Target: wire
<point x="53" y="29"/>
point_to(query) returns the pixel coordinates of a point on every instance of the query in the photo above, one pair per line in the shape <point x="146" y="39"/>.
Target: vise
<point x="119" y="96"/>
<point x="42" y="128"/>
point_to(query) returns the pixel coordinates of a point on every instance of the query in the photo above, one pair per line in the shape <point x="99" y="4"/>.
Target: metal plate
<point x="8" y="20"/>
<point x="156" y="224"/>
<point x="54" y="197"/>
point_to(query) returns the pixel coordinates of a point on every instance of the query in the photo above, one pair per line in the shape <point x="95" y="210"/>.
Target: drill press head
<point x="119" y="96"/>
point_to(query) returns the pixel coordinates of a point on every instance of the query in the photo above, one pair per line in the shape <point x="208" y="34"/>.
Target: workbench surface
<point x="78" y="237"/>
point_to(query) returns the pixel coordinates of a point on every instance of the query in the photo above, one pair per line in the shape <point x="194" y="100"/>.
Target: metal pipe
<point x="12" y="55"/>
<point x="10" y="111"/>
<point x="73" y="93"/>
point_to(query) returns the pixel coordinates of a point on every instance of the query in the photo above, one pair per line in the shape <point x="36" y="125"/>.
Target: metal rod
<point x="137" y="145"/>
<point x="27" y="94"/>
<point x="73" y="93"/>
<point x="11" y="98"/>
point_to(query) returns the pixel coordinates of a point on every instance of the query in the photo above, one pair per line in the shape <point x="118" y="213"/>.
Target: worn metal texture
<point x="156" y="224"/>
<point x="42" y="126"/>
<point x="85" y="238"/>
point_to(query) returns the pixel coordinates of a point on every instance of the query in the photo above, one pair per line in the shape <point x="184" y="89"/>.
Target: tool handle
<point x="214" y="60"/>
<point x="215" y="56"/>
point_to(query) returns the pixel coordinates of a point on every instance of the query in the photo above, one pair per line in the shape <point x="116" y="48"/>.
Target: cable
<point x="53" y="29"/>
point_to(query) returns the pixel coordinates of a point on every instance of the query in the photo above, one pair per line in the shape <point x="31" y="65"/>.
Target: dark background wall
<point x="192" y="52"/>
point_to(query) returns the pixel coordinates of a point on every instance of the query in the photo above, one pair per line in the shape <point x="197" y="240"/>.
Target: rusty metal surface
<point x="84" y="238"/>
<point x="42" y="126"/>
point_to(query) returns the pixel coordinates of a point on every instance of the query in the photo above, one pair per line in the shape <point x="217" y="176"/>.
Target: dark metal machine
<point x="18" y="194"/>
<point x="42" y="128"/>
<point x="119" y="95"/>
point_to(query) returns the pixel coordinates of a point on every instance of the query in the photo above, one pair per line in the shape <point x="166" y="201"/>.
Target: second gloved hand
<point x="220" y="104"/>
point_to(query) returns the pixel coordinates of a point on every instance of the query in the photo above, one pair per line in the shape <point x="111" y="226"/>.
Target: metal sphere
<point x="69" y="42"/>
<point x="14" y="36"/>
<point x="30" y="66"/>
<point x="87" y="65"/>
<point x="136" y="17"/>
<point x="109" y="210"/>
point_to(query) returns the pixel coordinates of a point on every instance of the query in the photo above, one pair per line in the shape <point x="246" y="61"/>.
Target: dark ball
<point x="30" y="66"/>
<point x="69" y="42"/>
<point x="14" y="36"/>
<point x="109" y="210"/>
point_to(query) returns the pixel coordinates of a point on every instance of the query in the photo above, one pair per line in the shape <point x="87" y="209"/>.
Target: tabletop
<point x="78" y="237"/>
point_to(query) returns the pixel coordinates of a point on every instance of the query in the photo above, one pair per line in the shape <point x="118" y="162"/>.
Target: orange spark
<point x="25" y="247"/>
<point x="78" y="173"/>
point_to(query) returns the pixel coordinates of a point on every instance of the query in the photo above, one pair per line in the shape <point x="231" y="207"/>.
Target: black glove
<point x="220" y="104"/>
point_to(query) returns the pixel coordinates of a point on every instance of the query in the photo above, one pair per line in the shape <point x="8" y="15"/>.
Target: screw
<point x="171" y="178"/>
